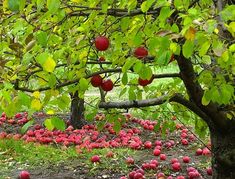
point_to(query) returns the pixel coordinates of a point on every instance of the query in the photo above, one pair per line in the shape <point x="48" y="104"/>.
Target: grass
<point x="18" y="155"/>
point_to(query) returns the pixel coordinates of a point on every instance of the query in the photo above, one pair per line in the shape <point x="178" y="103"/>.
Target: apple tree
<point x="52" y="49"/>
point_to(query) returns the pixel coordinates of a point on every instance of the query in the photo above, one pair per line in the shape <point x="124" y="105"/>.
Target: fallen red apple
<point x="162" y="156"/>
<point x="176" y="166"/>
<point x="130" y="161"/>
<point x="199" y="151"/>
<point x="24" y="175"/>
<point x="148" y="145"/>
<point x="209" y="171"/>
<point x="101" y="43"/>
<point x="174" y="160"/>
<point x="95" y="159"/>
<point x="186" y="159"/>
<point x="156" y="152"/>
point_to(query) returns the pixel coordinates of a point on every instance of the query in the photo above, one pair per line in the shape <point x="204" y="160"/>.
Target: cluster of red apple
<point x="102" y="44"/>
<point x="20" y="119"/>
<point x="89" y="138"/>
<point x="97" y="81"/>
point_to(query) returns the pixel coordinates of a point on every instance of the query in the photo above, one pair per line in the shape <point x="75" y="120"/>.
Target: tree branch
<point x="196" y="92"/>
<point x="70" y="82"/>
<point x="158" y="101"/>
<point x="134" y="104"/>
<point x="116" y="12"/>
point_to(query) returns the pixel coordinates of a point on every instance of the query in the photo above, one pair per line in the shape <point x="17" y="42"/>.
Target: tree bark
<point x="223" y="155"/>
<point x="77" y="119"/>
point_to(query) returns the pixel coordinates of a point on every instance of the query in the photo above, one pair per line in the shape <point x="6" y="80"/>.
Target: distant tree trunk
<point x="223" y="155"/>
<point x="77" y="119"/>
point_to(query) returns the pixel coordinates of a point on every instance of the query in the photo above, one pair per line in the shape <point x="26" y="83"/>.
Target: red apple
<point x="180" y="177"/>
<point x="107" y="85"/>
<point x="140" y="52"/>
<point x="174" y="160"/>
<point x="110" y="154"/>
<point x="156" y="152"/>
<point x="131" y="174"/>
<point x="162" y="156"/>
<point x="24" y="175"/>
<point x="101" y="59"/>
<point x="160" y="174"/>
<point x="140" y="171"/>
<point x="206" y="151"/>
<point x="138" y="176"/>
<point x="176" y="166"/>
<point x="130" y="160"/>
<point x="184" y="141"/>
<point x="145" y="82"/>
<point x="209" y="171"/>
<point x="95" y="158"/>
<point x="186" y="159"/>
<point x="101" y="43"/>
<point x="96" y="80"/>
<point x="199" y="151"/>
<point x="148" y="145"/>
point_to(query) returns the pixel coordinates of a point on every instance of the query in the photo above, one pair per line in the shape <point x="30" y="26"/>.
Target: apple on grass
<point x="95" y="159"/>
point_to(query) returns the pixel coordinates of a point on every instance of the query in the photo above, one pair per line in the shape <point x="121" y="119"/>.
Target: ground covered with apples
<point x="136" y="151"/>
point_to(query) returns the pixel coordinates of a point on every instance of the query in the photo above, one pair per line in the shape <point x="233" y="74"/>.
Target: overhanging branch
<point x="158" y="101"/>
<point x="70" y="82"/>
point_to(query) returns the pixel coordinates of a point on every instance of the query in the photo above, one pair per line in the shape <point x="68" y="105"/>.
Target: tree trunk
<point x="77" y="119"/>
<point x="223" y="155"/>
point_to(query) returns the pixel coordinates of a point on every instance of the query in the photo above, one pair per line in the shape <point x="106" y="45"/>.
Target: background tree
<point x="48" y="52"/>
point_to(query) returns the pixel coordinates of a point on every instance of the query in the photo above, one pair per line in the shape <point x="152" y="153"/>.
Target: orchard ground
<point x="67" y="154"/>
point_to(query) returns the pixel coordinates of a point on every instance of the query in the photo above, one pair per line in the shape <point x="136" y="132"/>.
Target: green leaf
<point x="117" y="126"/>
<point x="83" y="84"/>
<point x="14" y="5"/>
<point x="58" y="123"/>
<point x="226" y="92"/>
<point x="122" y="92"/>
<point x="128" y="64"/>
<point x="132" y="95"/>
<point x="204" y="48"/>
<point x="138" y="40"/>
<point x="52" y="80"/>
<point x="188" y="48"/>
<point x="137" y="67"/>
<point x="125" y="23"/>
<point x="26" y="126"/>
<point x="42" y="38"/>
<point x="124" y="79"/>
<point x="48" y="124"/>
<point x="53" y="5"/>
<point x="206" y="98"/>
<point x="100" y="125"/>
<point x="157" y="126"/>
<point x="24" y="99"/>
<point x="146" y="5"/>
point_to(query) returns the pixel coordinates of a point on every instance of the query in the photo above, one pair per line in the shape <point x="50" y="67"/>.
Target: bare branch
<point x="134" y="104"/>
